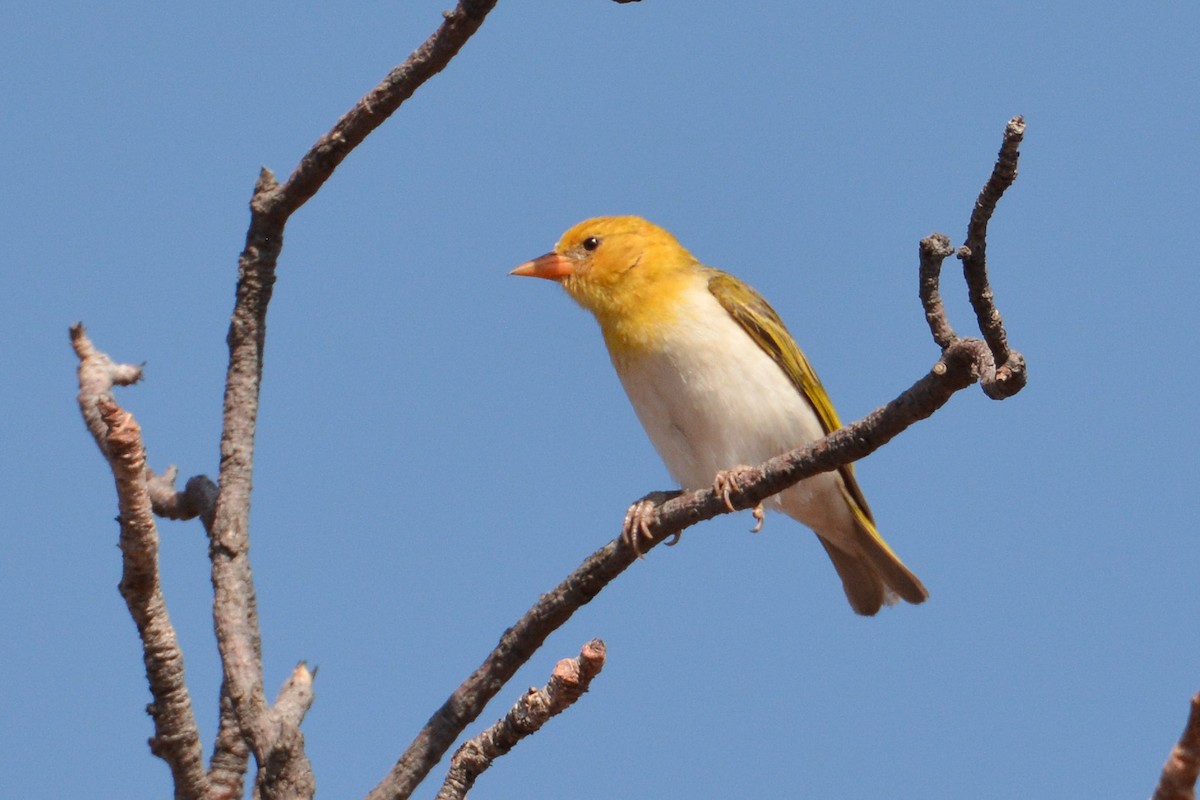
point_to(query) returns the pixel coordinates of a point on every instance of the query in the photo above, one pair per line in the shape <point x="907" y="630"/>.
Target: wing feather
<point x="756" y="317"/>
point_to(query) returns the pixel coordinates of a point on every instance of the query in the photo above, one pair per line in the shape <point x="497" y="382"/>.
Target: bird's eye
<point x="591" y="243"/>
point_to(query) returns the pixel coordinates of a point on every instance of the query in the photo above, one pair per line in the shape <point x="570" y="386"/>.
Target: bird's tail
<point x="869" y="582"/>
<point x="874" y="575"/>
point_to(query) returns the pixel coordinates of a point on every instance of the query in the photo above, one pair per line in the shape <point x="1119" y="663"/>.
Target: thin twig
<point x="1179" y="774"/>
<point x="962" y="362"/>
<point x="296" y="696"/>
<point x="1010" y="366"/>
<point x="569" y="681"/>
<point x="935" y="249"/>
<point x="376" y="106"/>
<point x="176" y="737"/>
<point x="98" y="374"/>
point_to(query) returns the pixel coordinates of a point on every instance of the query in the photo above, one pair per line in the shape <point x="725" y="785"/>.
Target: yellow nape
<point x="630" y="274"/>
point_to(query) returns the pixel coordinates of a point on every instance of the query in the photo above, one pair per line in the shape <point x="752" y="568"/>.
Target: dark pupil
<point x="591" y="243"/>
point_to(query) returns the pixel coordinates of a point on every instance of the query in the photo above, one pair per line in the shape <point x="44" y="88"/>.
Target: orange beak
<point x="551" y="266"/>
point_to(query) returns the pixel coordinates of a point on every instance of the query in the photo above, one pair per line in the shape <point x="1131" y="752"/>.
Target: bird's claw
<point x="729" y="481"/>
<point x="637" y="525"/>
<point x="636" y="528"/>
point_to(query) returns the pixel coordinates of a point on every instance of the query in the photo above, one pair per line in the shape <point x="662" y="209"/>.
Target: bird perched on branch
<point x="718" y="383"/>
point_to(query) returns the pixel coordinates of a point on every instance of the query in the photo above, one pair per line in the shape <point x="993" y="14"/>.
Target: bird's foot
<point x="636" y="528"/>
<point x="729" y="481"/>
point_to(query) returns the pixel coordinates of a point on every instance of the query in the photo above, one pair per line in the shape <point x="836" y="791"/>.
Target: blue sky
<point x="441" y="443"/>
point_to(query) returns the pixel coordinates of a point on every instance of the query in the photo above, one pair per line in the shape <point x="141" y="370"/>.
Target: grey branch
<point x="98" y="374"/>
<point x="569" y="681"/>
<point x="284" y="769"/>
<point x="1009" y="376"/>
<point x="272" y="733"/>
<point x="231" y="755"/>
<point x="176" y="737"/>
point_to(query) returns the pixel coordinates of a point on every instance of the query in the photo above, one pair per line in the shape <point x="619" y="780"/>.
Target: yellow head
<point x="628" y="272"/>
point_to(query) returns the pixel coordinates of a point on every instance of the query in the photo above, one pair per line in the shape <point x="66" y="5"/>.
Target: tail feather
<point x="891" y="569"/>
<point x="862" y="584"/>
<point x="874" y="575"/>
<point x="832" y="505"/>
<point x="873" y="556"/>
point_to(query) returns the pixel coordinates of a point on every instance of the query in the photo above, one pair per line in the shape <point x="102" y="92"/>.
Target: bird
<point x="718" y="383"/>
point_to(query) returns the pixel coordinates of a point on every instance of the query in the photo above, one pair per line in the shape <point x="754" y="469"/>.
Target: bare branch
<point x="176" y="737"/>
<point x="231" y="755"/>
<point x="97" y="375"/>
<point x="198" y="498"/>
<point x="376" y="106"/>
<point x="568" y="682"/>
<point x="956" y="370"/>
<point x="1010" y="374"/>
<point x="276" y="744"/>
<point x="962" y="362"/>
<point x="1178" y="781"/>
<point x="296" y="697"/>
<point x="935" y="249"/>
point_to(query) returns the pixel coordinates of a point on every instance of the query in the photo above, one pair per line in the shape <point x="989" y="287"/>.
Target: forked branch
<point x="272" y="732"/>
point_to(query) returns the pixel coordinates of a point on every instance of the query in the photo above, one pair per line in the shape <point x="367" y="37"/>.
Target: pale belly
<point x="722" y="402"/>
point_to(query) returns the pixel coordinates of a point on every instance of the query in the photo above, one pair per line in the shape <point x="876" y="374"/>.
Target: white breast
<point x="711" y="399"/>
